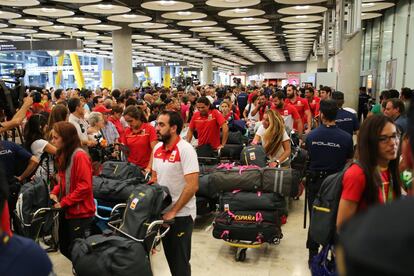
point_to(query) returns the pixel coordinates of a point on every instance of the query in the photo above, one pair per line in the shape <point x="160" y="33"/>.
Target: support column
<point x="348" y="66"/>
<point x="207" y="70"/>
<point x="122" y="61"/>
<point x="167" y="77"/>
<point x="236" y="70"/>
<point x="60" y="61"/>
<point x="74" y="58"/>
<point x="106" y="77"/>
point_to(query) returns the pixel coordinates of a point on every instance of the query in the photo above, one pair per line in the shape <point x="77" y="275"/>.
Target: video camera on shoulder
<point x="12" y="93"/>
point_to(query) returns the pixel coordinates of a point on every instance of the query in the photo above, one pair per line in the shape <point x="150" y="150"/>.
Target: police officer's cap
<point x="337" y="95"/>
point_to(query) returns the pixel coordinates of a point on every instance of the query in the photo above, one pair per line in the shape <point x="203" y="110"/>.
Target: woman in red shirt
<point x="228" y="114"/>
<point x="379" y="181"/>
<point x="140" y="137"/>
<point x="74" y="192"/>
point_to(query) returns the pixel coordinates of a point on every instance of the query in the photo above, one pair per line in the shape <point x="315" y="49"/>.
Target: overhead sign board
<point x="160" y="63"/>
<point x="41" y="45"/>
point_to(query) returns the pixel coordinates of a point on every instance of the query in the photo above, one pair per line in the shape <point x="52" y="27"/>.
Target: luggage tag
<point x="134" y="203"/>
<point x="252" y="156"/>
<point x="226" y="207"/>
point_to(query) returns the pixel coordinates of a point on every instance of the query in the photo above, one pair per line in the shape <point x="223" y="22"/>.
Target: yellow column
<point x="60" y="61"/>
<point x="77" y="70"/>
<point x="107" y="79"/>
<point x="167" y="77"/>
<point x="147" y="82"/>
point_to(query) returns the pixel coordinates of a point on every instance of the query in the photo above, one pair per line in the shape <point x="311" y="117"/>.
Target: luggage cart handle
<point x="42" y="210"/>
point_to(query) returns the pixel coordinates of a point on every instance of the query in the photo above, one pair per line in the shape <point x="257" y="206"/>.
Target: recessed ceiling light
<point x="196" y="21"/>
<point x="301" y="16"/>
<point x="241" y="10"/>
<point x="368" y="5"/>
<point x="148" y="24"/>
<point x="302" y="24"/>
<point x="247" y="18"/>
<point x="105" y="6"/>
<point x="167" y="3"/>
<point x="307" y="7"/>
<point x="79" y="19"/>
<point x="31" y="20"/>
<point x="48" y="10"/>
<point x="129" y="15"/>
<point x="184" y="13"/>
<point x="58" y="27"/>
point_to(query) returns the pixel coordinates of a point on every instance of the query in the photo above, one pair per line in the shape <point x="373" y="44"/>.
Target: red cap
<point x="102" y="109"/>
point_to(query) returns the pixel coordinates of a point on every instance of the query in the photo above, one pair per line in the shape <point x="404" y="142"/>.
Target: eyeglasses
<point x="386" y="139"/>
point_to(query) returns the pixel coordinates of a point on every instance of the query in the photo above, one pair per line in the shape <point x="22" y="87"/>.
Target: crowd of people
<point x="61" y="132"/>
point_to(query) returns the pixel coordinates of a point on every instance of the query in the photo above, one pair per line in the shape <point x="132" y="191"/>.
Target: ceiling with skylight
<point x="233" y="32"/>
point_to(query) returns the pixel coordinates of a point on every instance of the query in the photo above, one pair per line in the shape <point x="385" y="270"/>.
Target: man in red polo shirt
<point x="314" y="103"/>
<point x="301" y="106"/>
<point x="288" y="112"/>
<point x="208" y="122"/>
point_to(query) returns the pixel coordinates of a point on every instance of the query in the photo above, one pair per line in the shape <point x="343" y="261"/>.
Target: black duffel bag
<point x="113" y="190"/>
<point x="231" y="152"/>
<point x="272" y="216"/>
<point x="120" y="170"/>
<point x="228" y="180"/>
<point x="230" y="230"/>
<point x="100" y="255"/>
<point x="277" y="180"/>
<point x="243" y="201"/>
<point x="206" y="188"/>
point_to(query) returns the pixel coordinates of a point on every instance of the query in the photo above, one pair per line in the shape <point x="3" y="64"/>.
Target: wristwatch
<point x="278" y="162"/>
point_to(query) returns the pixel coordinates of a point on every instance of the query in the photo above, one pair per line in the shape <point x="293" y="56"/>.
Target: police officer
<point x="345" y="120"/>
<point x="329" y="149"/>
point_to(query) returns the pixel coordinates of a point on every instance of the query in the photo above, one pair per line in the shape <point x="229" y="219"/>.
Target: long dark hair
<point x="367" y="155"/>
<point x="59" y="113"/>
<point x="70" y="140"/>
<point x="33" y="129"/>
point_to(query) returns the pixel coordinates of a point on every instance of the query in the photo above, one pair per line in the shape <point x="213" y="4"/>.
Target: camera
<point x="18" y="73"/>
<point x="11" y="98"/>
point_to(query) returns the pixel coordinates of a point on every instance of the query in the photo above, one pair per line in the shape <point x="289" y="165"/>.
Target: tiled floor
<point x="214" y="257"/>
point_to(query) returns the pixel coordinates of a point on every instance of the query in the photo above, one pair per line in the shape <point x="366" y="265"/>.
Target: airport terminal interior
<point x="277" y="137"/>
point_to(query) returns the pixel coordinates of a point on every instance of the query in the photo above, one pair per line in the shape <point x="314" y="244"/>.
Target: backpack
<point x="253" y="155"/>
<point x="144" y="205"/>
<point x="322" y="227"/>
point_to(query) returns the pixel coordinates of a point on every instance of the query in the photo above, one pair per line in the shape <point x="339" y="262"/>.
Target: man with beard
<point x="301" y="106"/>
<point x="289" y="113"/>
<point x="207" y="122"/>
<point x="175" y="166"/>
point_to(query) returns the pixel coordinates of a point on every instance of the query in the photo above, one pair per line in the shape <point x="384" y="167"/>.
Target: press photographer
<point x="13" y="101"/>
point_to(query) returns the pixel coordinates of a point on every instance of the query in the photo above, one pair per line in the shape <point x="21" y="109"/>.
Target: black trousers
<point x="313" y="184"/>
<point x="71" y="229"/>
<point x="177" y="246"/>
<point x="362" y="112"/>
<point x="14" y="189"/>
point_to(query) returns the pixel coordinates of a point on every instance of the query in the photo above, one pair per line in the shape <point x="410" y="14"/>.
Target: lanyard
<point x="390" y="189"/>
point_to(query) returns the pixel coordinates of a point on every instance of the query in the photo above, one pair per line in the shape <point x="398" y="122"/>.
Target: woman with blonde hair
<point x="275" y="140"/>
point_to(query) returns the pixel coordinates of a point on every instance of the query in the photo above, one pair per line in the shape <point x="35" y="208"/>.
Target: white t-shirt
<point x="81" y="127"/>
<point x="250" y="116"/>
<point x="171" y="167"/>
<point x="38" y="148"/>
<point x="261" y="131"/>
